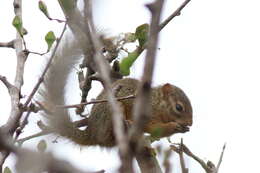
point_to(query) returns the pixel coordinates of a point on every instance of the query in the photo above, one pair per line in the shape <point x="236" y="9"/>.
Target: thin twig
<point x="24" y="123"/>
<point x="182" y="162"/>
<point x="57" y="20"/>
<point x="189" y="153"/>
<point x="174" y="14"/>
<point x="95" y="102"/>
<point x="221" y="157"/>
<point x="46" y="130"/>
<point x="36" y="53"/>
<point x="42" y="133"/>
<point x="209" y="167"/>
<point x="40" y="80"/>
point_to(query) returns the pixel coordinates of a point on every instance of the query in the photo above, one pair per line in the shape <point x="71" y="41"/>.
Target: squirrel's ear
<point x="166" y="89"/>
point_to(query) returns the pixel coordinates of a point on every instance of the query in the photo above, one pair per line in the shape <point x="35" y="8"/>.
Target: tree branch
<point x="46" y="130"/>
<point x="95" y="102"/>
<point x="117" y="117"/>
<point x="146" y="157"/>
<point x="209" y="167"/>
<point x="142" y="108"/>
<point x="9" y="44"/>
<point x="15" y="91"/>
<point x="174" y="14"/>
<point x="182" y="162"/>
<point x="221" y="157"/>
<point x="189" y="153"/>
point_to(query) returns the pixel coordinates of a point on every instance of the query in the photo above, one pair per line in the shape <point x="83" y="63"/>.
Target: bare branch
<point x="9" y="44"/>
<point x="95" y="102"/>
<point x="15" y="91"/>
<point x="142" y="108"/>
<point x="42" y="133"/>
<point x="24" y="122"/>
<point x="182" y="162"/>
<point x="209" y="167"/>
<point x="146" y="157"/>
<point x="117" y="116"/>
<point x="46" y="130"/>
<point x="189" y="153"/>
<point x="174" y="14"/>
<point x="221" y="157"/>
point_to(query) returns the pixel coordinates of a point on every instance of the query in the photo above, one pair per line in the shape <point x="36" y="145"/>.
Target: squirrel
<point x="171" y="108"/>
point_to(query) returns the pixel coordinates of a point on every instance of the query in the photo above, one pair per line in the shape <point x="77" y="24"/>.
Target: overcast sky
<point x="211" y="51"/>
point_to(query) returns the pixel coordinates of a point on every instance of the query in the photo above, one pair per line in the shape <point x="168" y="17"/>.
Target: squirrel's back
<point x="100" y="120"/>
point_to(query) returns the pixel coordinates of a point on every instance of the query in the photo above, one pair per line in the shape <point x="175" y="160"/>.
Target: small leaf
<point x="127" y="62"/>
<point x="156" y="132"/>
<point x="50" y="38"/>
<point x="42" y="146"/>
<point x="17" y="23"/>
<point x="7" y="170"/>
<point x="42" y="6"/>
<point x="141" y="33"/>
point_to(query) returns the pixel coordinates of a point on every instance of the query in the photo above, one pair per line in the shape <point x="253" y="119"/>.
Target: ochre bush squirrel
<point x="171" y="108"/>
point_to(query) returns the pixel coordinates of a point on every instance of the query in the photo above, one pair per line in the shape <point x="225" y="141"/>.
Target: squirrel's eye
<point x="179" y="107"/>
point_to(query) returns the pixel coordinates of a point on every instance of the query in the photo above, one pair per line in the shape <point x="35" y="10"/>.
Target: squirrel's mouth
<point x="185" y="128"/>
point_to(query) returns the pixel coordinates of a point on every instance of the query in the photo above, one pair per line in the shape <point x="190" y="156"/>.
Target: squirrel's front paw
<point x="179" y="128"/>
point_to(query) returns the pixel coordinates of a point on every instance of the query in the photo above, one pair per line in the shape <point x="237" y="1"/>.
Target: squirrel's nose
<point x="190" y="123"/>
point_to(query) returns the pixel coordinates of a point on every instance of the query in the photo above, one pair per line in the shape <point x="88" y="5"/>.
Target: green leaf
<point x="141" y="33"/>
<point x="42" y="145"/>
<point x="127" y="62"/>
<point x="17" y="23"/>
<point x="156" y="132"/>
<point x="42" y="6"/>
<point x="50" y="38"/>
<point x="7" y="170"/>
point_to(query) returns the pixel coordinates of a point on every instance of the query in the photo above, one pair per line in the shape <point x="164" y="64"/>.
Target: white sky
<point x="210" y="51"/>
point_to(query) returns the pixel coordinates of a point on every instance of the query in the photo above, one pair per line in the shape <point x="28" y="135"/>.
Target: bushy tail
<point x="53" y="92"/>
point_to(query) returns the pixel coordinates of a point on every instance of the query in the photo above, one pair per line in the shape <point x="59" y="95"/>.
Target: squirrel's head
<point x="178" y="106"/>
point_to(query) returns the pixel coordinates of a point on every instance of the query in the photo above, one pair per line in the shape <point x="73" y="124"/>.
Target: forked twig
<point x="209" y="167"/>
